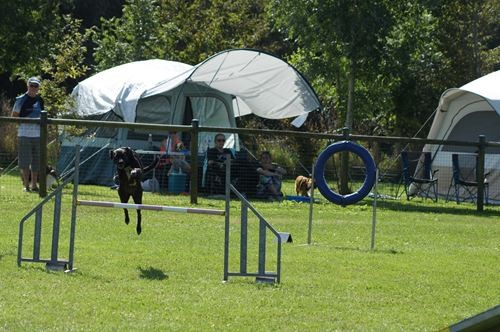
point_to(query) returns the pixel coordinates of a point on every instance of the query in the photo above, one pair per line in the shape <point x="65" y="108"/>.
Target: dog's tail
<point x="151" y="166"/>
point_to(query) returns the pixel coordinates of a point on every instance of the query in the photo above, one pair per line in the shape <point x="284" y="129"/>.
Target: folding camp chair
<point x="464" y="178"/>
<point x="418" y="177"/>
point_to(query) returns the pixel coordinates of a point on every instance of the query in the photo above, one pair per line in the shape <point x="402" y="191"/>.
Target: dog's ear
<point x="111" y="154"/>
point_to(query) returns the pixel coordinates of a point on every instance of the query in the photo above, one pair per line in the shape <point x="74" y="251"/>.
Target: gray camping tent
<point x="462" y="115"/>
<point x="227" y="85"/>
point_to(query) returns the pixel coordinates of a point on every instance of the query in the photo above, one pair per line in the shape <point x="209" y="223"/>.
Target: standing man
<point x="29" y="105"/>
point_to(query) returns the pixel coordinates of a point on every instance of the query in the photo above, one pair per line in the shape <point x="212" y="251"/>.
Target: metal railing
<point x="194" y="129"/>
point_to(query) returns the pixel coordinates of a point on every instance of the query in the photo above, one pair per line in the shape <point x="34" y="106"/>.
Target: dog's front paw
<point x="135" y="173"/>
<point x="127" y="220"/>
<point x="139" y="229"/>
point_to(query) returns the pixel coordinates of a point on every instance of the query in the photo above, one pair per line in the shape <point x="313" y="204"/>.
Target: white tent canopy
<point x="257" y="82"/>
<point x="102" y="92"/>
<point x="462" y="115"/>
<point x="482" y="94"/>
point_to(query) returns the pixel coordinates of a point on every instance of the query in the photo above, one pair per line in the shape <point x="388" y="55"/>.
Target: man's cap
<point x="34" y="80"/>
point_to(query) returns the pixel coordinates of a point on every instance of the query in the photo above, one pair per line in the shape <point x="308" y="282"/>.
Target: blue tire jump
<point x="319" y="172"/>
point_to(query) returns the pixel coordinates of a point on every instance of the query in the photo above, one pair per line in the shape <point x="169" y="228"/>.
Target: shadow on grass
<point x="450" y="208"/>
<point x="391" y="251"/>
<point x="152" y="274"/>
<point x="374" y="251"/>
<point x="11" y="252"/>
<point x="94" y="193"/>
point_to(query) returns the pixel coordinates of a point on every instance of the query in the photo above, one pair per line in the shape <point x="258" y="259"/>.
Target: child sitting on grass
<point x="270" y="176"/>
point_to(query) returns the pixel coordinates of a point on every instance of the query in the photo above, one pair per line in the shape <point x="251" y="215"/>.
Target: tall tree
<point x="38" y="40"/>
<point x="91" y="11"/>
<point x="412" y="65"/>
<point x="24" y="27"/>
<point x="436" y="45"/>
<point x="65" y="62"/>
<point x="133" y="36"/>
<point x="466" y="29"/>
<point x="187" y="31"/>
<point x="342" y="38"/>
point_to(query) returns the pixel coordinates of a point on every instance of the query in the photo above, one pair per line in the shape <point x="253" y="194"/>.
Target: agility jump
<point x="56" y="263"/>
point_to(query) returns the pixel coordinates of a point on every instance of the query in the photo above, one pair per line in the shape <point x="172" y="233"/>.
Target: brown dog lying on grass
<point x="303" y="185"/>
<point x="130" y="171"/>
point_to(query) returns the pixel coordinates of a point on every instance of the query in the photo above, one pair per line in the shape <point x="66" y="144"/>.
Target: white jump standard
<point x="150" y="207"/>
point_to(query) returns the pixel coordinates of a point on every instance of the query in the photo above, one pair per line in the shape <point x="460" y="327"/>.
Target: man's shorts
<point x="29" y="153"/>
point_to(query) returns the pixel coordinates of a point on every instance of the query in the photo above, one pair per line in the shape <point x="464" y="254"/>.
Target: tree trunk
<point x="475" y="43"/>
<point x="344" y="160"/>
<point x="350" y="97"/>
<point x="344" y="170"/>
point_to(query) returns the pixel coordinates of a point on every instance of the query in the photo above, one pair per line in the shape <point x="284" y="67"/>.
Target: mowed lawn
<point x="434" y="264"/>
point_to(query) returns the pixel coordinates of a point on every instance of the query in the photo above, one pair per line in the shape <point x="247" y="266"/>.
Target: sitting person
<point x="167" y="146"/>
<point x="216" y="171"/>
<point x="243" y="175"/>
<point x="270" y="176"/>
<point x="178" y="160"/>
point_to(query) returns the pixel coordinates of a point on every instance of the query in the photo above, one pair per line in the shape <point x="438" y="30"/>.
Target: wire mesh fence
<point x="265" y="164"/>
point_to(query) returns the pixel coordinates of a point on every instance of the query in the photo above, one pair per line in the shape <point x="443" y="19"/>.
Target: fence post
<point x="227" y="209"/>
<point x="480" y="172"/>
<point x="42" y="177"/>
<point x="194" y="161"/>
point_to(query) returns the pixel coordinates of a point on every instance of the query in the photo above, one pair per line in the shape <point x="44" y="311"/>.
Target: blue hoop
<point x="319" y="172"/>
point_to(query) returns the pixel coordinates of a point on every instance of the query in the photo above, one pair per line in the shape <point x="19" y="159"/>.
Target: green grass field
<point x="434" y="264"/>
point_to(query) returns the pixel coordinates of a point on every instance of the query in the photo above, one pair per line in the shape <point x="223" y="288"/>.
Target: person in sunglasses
<point x="29" y="105"/>
<point x="216" y="157"/>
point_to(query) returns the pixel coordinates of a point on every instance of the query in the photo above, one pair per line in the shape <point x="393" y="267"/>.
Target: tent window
<point x="188" y="113"/>
<point x="154" y="109"/>
<point x="210" y="111"/>
<point x="471" y="126"/>
<point x="187" y="119"/>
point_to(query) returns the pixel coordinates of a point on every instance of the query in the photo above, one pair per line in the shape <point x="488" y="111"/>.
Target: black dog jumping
<point x="130" y="171"/>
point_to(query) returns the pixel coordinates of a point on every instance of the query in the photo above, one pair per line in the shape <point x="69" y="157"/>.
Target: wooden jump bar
<point x="150" y="207"/>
